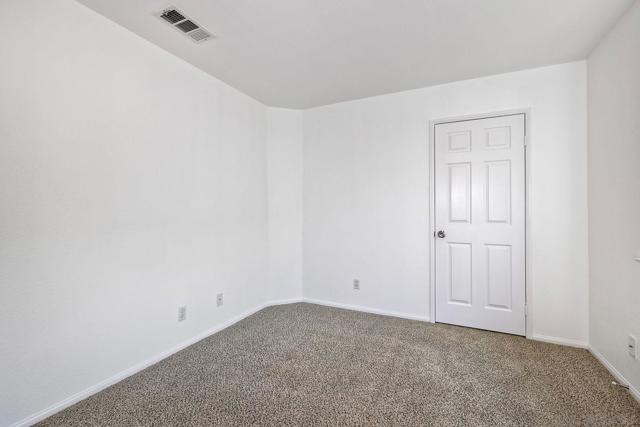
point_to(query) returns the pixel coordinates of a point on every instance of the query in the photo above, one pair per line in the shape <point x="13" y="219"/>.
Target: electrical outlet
<point x="219" y="300"/>
<point x="632" y="346"/>
<point x="356" y="284"/>
<point x="182" y="313"/>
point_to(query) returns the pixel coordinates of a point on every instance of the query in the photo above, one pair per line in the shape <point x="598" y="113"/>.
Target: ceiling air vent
<point x="186" y="25"/>
<point x="200" y="35"/>
<point x="172" y="16"/>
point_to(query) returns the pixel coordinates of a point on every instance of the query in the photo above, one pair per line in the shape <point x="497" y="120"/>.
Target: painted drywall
<point x="366" y="195"/>
<point x="284" y="166"/>
<point x="131" y="183"/>
<point x="614" y="194"/>
<point x="303" y="53"/>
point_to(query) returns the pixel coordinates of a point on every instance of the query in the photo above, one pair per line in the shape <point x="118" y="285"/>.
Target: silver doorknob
<point x="441" y="234"/>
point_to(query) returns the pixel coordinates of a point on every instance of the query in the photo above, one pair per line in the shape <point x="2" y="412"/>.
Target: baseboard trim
<point x="283" y="302"/>
<point x="560" y="341"/>
<point x="77" y="397"/>
<point x="366" y="309"/>
<point x="616" y="374"/>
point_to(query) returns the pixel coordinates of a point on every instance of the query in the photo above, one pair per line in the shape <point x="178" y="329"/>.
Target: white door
<point x="480" y="223"/>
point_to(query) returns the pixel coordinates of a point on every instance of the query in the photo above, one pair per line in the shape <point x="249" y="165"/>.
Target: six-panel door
<point x="480" y="209"/>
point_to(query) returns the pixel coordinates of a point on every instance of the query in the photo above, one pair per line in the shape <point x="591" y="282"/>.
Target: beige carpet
<point x="307" y="365"/>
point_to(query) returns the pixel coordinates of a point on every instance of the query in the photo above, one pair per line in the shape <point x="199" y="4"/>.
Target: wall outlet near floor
<point x="632" y="346"/>
<point x="356" y="284"/>
<point x="219" y="300"/>
<point x="182" y="313"/>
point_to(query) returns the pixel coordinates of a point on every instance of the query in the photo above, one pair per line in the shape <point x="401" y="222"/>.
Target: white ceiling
<point x="305" y="53"/>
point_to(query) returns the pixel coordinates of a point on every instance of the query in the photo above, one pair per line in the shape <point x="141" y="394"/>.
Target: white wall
<point x="130" y="183"/>
<point x="614" y="194"/>
<point x="366" y="211"/>
<point x="284" y="160"/>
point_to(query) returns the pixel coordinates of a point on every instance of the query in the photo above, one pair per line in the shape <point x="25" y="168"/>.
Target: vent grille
<point x="186" y="25"/>
<point x="200" y="35"/>
<point x="172" y="16"/>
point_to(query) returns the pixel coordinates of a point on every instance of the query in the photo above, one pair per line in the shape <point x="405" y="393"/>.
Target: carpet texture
<point x="308" y="365"/>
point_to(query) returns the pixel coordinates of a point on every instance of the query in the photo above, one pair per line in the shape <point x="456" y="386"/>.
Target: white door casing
<point x="480" y="209"/>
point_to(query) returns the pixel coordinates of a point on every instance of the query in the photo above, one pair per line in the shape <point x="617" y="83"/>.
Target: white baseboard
<point x="81" y="395"/>
<point x="366" y="309"/>
<point x="559" y="341"/>
<point x="283" y="301"/>
<point x="616" y="374"/>
<point x="59" y="406"/>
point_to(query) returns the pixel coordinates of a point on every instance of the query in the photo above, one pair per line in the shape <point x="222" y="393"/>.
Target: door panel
<point x="460" y="192"/>
<point x="460" y="277"/>
<point x="480" y="207"/>
<point x="498" y="258"/>
<point x="498" y="187"/>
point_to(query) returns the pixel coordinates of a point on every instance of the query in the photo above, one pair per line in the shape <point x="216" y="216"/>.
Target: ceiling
<point x="306" y="53"/>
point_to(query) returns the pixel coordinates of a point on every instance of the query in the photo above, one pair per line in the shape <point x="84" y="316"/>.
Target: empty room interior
<point x="320" y="213"/>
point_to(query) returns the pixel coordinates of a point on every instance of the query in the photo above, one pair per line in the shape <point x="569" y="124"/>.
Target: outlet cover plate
<point x="632" y="346"/>
<point x="182" y="313"/>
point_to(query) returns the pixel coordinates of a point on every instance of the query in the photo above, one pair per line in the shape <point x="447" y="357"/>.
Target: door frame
<point x="528" y="280"/>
